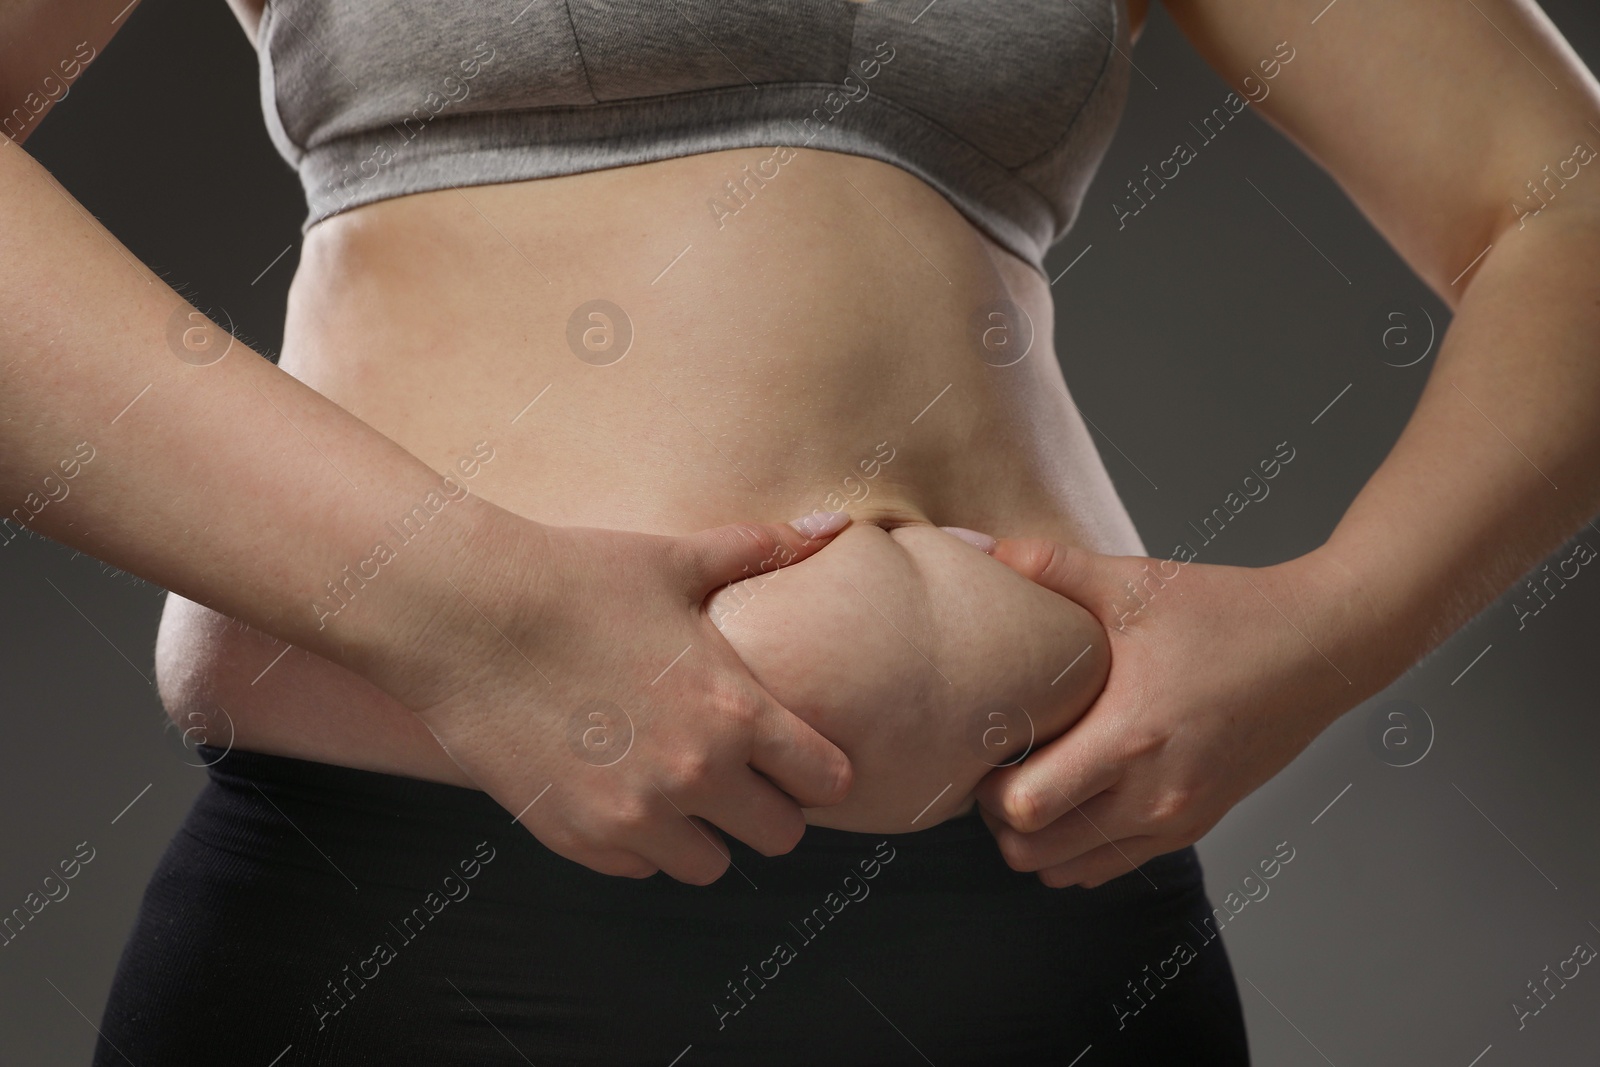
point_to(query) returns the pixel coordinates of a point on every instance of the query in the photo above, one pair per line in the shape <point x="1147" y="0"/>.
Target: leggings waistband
<point x="400" y="830"/>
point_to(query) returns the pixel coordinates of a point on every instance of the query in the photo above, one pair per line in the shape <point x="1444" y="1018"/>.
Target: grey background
<point x="1416" y="906"/>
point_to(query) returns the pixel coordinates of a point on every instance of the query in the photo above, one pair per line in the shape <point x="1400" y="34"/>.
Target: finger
<point x="1092" y="580"/>
<point x="1111" y="860"/>
<point x="618" y="862"/>
<point x="683" y="847"/>
<point x="759" y="814"/>
<point x="745" y="549"/>
<point x="800" y="761"/>
<point x="613" y="861"/>
<point x="1064" y="773"/>
<point x="1077" y="833"/>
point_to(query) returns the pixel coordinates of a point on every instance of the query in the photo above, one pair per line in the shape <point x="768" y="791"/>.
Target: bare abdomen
<point x="769" y="370"/>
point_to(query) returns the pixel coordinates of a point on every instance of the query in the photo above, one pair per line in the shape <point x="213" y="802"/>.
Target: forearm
<point x="45" y="46"/>
<point x="1501" y="459"/>
<point x="231" y="483"/>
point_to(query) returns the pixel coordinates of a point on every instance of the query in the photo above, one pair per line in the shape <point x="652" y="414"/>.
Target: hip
<point x="361" y="917"/>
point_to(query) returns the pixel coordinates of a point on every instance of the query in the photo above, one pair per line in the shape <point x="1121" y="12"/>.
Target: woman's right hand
<point x="573" y="676"/>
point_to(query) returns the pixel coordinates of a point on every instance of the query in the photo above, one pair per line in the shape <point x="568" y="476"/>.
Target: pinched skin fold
<point x="927" y="662"/>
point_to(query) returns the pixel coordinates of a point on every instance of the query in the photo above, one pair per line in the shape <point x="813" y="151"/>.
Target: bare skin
<point x="421" y="332"/>
<point x="731" y="349"/>
<point x="890" y="645"/>
<point x="1439" y="119"/>
<point x="768" y="364"/>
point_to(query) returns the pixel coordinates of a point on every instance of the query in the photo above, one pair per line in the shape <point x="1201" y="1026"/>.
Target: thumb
<point x="1064" y="774"/>
<point x="1096" y="582"/>
<point x="744" y="549"/>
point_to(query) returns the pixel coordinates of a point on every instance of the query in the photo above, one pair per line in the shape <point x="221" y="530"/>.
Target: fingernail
<point x="821" y="523"/>
<point x="980" y="541"/>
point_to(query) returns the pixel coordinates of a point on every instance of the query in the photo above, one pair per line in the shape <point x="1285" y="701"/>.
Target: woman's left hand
<point x="1219" y="677"/>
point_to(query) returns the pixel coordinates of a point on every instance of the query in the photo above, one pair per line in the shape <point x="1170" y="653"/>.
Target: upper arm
<point x="1137" y="10"/>
<point x="249" y="14"/>
<point x="45" y="45"/>
<point x="1432" y="115"/>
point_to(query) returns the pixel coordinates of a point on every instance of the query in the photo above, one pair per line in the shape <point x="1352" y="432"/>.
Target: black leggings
<point x="337" y="916"/>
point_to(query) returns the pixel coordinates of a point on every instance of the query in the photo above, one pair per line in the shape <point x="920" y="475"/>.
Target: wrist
<point x="1370" y="637"/>
<point x="413" y="635"/>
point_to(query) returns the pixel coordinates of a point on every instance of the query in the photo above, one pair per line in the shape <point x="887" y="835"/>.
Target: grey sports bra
<point x="1004" y="106"/>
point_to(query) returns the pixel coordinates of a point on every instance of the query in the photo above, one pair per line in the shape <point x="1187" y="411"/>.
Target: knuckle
<point x="1172" y="805"/>
<point x="746" y="714"/>
<point x="1043" y="557"/>
<point x="762" y="539"/>
<point x="735" y="705"/>
<point x="687" y="772"/>
<point x="629" y="818"/>
<point x="1025" y="809"/>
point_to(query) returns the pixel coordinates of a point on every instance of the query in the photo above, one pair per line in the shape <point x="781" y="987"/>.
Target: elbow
<point x="1556" y="216"/>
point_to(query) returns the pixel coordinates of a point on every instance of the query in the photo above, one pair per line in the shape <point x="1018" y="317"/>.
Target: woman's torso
<point x="836" y="342"/>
